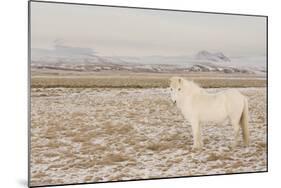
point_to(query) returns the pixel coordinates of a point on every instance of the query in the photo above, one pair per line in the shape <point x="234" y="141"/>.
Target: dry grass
<point x="115" y="157"/>
<point x="159" y="146"/>
<point x="109" y="134"/>
<point x="50" y="155"/>
<point x="213" y="157"/>
<point x="39" y="175"/>
<point x="88" y="178"/>
<point x="117" y="129"/>
<point x="53" y="144"/>
<point x="136" y="82"/>
<point x="79" y="138"/>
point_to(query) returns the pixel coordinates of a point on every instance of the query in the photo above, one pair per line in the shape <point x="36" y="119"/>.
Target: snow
<point x="103" y="134"/>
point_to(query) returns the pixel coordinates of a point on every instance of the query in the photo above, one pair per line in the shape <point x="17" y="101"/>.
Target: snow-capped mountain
<point x="214" y="57"/>
<point x="85" y="59"/>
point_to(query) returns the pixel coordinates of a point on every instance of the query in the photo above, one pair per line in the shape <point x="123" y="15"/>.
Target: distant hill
<point x="215" y="57"/>
<point x="65" y="58"/>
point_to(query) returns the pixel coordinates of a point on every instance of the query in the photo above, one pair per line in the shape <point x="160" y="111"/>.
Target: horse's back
<point x="210" y="107"/>
<point x="233" y="95"/>
<point x="218" y="106"/>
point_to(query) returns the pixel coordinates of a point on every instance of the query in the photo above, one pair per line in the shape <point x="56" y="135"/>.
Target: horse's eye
<point x="179" y="89"/>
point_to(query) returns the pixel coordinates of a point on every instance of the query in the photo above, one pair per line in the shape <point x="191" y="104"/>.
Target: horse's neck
<point x="194" y="90"/>
<point x="198" y="91"/>
<point x="186" y="99"/>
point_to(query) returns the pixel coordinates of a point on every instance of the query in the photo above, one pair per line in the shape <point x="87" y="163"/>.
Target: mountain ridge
<point x="86" y="59"/>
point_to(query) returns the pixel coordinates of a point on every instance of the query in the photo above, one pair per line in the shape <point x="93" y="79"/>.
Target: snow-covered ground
<point x="102" y="134"/>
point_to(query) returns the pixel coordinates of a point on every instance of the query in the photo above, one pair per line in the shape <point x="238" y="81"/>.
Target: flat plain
<point x="109" y="128"/>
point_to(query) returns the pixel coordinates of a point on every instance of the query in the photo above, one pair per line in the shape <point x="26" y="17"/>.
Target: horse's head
<point x="175" y="88"/>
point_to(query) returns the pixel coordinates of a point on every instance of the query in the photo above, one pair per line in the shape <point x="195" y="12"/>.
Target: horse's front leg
<point x="196" y="130"/>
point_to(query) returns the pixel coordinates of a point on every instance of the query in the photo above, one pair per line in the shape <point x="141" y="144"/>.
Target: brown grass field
<point x="141" y="81"/>
<point x="109" y="128"/>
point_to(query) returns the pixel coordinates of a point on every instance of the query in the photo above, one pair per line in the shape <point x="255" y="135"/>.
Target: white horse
<point x="198" y="106"/>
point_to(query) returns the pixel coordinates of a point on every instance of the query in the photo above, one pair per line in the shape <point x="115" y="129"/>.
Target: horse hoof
<point x="196" y="148"/>
<point x="246" y="145"/>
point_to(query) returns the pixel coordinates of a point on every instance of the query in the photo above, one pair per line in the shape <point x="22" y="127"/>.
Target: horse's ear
<point x="180" y="80"/>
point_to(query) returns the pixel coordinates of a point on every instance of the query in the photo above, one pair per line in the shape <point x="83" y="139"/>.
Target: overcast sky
<point x="137" y="32"/>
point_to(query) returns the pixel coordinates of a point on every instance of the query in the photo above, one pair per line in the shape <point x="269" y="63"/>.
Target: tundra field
<point x="110" y="128"/>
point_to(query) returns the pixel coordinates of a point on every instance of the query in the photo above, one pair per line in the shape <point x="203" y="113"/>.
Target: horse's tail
<point x="244" y="123"/>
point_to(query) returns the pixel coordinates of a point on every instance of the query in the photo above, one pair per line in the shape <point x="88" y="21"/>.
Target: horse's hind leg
<point x="197" y="140"/>
<point x="236" y="127"/>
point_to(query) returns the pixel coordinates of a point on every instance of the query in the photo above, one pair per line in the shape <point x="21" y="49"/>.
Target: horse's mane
<point x="192" y="86"/>
<point x="187" y="85"/>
